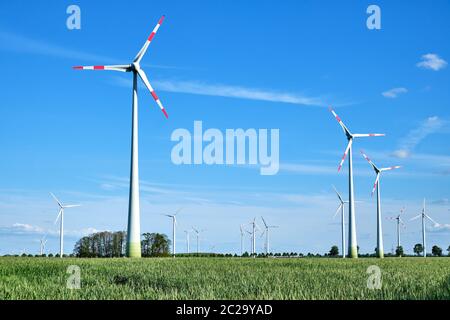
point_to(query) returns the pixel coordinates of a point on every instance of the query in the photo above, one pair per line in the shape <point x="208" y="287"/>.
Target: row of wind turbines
<point x="133" y="229"/>
<point x="352" y="243"/>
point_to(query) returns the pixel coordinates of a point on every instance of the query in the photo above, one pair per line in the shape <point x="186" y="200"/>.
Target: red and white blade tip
<point x="89" y="67"/>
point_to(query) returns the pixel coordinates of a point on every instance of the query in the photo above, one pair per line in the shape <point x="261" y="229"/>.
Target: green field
<point x="224" y="278"/>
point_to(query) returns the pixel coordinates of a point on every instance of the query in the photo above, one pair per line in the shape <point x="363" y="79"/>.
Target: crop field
<point x="224" y="278"/>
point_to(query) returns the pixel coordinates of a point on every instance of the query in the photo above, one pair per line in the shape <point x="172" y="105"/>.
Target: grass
<point x="224" y="278"/>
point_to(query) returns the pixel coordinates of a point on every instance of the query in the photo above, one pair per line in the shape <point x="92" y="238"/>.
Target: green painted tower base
<point x="134" y="250"/>
<point x="353" y="253"/>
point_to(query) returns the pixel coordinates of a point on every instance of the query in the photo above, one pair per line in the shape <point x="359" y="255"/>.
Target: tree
<point x="436" y="251"/>
<point x="448" y="250"/>
<point x="399" y="251"/>
<point x="155" y="245"/>
<point x="418" y="249"/>
<point x="334" y="251"/>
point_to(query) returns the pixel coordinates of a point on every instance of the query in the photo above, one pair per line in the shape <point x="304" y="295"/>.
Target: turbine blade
<point x="119" y="67"/>
<point x="141" y="52"/>
<point x="390" y="168"/>
<point x="264" y="221"/>
<point x="368" y="160"/>
<point x="59" y="214"/>
<point x="152" y="91"/>
<point x="376" y="183"/>
<point x="416" y="217"/>
<point x="339" y="196"/>
<point x="337" y="210"/>
<point x="72" y="206"/>
<point x="56" y="199"/>
<point x="363" y="135"/>
<point x="429" y="218"/>
<point x="345" y="154"/>
<point x="346" y="131"/>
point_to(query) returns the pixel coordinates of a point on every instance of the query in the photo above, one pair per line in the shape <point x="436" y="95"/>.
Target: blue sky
<point x="68" y="132"/>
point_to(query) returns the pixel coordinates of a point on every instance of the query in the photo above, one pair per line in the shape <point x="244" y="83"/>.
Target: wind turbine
<point x="267" y="227"/>
<point x="133" y="234"/>
<point x="174" y="223"/>
<point x="61" y="215"/>
<point x="399" y="221"/>
<point x="376" y="185"/>
<point x="253" y="233"/>
<point x="424" y="216"/>
<point x="341" y="208"/>
<point x="187" y="240"/>
<point x="197" y="233"/>
<point x="353" y="245"/>
<point x="242" y="239"/>
<point x="42" y="242"/>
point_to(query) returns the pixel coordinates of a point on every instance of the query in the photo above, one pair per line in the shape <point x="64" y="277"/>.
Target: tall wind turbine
<point x="133" y="234"/>
<point x="341" y="208"/>
<point x="61" y="215"/>
<point x="267" y="227"/>
<point x="174" y="224"/>
<point x="353" y="245"/>
<point x="424" y="217"/>
<point x="187" y="240"/>
<point x="376" y="185"/>
<point x="42" y="243"/>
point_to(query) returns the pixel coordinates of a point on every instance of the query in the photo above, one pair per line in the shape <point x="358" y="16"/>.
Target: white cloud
<point x="414" y="137"/>
<point x="394" y="93"/>
<point x="432" y="61"/>
<point x="229" y="91"/>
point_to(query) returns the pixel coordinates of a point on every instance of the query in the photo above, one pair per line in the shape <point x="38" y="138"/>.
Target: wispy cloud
<point x="394" y="93"/>
<point x="229" y="91"/>
<point x="414" y="137"/>
<point x="24" y="228"/>
<point x="18" y="43"/>
<point x="432" y="61"/>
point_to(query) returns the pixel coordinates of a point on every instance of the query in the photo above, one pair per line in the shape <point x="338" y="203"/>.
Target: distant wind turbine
<point x="341" y="208"/>
<point x="42" y="243"/>
<point x="424" y="217"/>
<point x="61" y="215"/>
<point x="399" y="221"/>
<point x="242" y="239"/>
<point x="353" y="244"/>
<point x="376" y="185"/>
<point x="174" y="224"/>
<point x="267" y="228"/>
<point x="197" y="233"/>
<point x="187" y="240"/>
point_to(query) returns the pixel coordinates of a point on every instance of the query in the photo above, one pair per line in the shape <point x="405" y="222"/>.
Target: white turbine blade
<point x="390" y="168"/>
<point x="435" y="223"/>
<point x="262" y="233"/>
<point x="119" y="67"/>
<point x="59" y="214"/>
<point x="368" y="160"/>
<point x="72" y="206"/>
<point x="363" y="135"/>
<point x="264" y="221"/>
<point x="416" y="217"/>
<point x="345" y="154"/>
<point x="149" y="39"/>
<point x="376" y="183"/>
<point x="56" y="199"/>
<point x="346" y="131"/>
<point x="337" y="210"/>
<point x="152" y="91"/>
<point x="178" y="211"/>
<point x="337" y="193"/>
